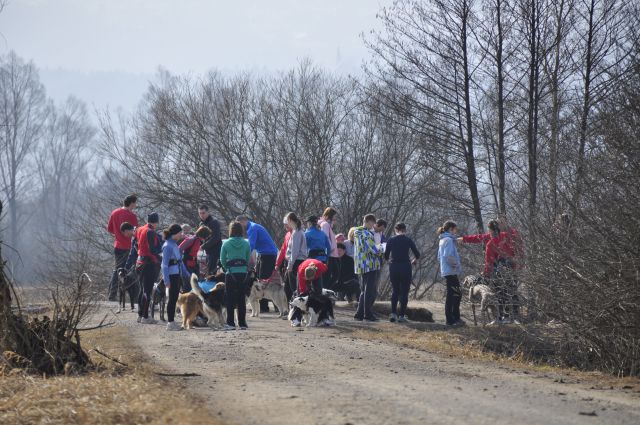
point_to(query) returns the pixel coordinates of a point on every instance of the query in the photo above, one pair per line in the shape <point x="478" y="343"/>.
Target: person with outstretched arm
<point x="398" y="252"/>
<point x="450" y="268"/>
<point x="174" y="272"/>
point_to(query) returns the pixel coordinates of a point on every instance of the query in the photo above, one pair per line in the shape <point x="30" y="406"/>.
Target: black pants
<point x="174" y="291"/>
<point x="265" y="265"/>
<point x="400" y="276"/>
<point x="285" y="279"/>
<point x="452" y="303"/>
<point x="213" y="255"/>
<point x="368" y="294"/>
<point x="333" y="274"/>
<point x="293" y="277"/>
<point x="234" y="292"/>
<point x="147" y="275"/>
<point x="121" y="258"/>
<point x="350" y="289"/>
<point x="186" y="283"/>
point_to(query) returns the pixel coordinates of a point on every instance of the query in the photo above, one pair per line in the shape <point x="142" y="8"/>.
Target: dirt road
<point x="275" y="374"/>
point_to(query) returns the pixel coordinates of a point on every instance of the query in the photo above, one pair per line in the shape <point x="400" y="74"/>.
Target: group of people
<point x="311" y="258"/>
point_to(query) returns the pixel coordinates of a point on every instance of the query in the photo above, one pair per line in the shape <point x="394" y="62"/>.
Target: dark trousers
<point x="350" y="289"/>
<point x="121" y="258"/>
<point x="452" y="303"/>
<point x="368" y="294"/>
<point x="265" y="265"/>
<point x="285" y="279"/>
<point x="147" y="275"/>
<point x="234" y="292"/>
<point x="186" y="283"/>
<point x="400" y="276"/>
<point x="333" y="274"/>
<point x="293" y="277"/>
<point x="174" y="291"/>
<point x="213" y="255"/>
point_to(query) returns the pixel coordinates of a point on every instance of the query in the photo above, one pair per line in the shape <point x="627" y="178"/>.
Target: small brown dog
<point x="197" y="301"/>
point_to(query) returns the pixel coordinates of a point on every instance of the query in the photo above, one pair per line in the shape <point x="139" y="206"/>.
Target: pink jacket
<point x="325" y="226"/>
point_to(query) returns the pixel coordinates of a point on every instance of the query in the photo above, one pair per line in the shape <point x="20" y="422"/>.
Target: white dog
<point x="479" y="291"/>
<point x="270" y="289"/>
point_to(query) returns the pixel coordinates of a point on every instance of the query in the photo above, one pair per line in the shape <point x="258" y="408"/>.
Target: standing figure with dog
<point x="145" y="251"/>
<point x="122" y="241"/>
<point x="398" y="252"/>
<point x="296" y="250"/>
<point x="174" y="272"/>
<point x="189" y="248"/>
<point x="450" y="268"/>
<point x="234" y="256"/>
<point x="368" y="262"/>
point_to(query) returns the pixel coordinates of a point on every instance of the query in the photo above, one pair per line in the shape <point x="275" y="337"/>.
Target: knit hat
<point x="310" y="272"/>
<point x="153" y="218"/>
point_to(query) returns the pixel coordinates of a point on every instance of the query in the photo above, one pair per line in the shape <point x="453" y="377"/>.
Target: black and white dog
<point x="158" y="297"/>
<point x="127" y="282"/>
<point x="316" y="309"/>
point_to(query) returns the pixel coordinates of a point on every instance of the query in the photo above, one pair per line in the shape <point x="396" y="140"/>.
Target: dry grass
<point x="111" y="394"/>
<point x="508" y="345"/>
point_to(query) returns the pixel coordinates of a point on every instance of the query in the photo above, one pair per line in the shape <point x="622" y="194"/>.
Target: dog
<point x="316" y="309"/>
<point x="127" y="282"/>
<point x="197" y="301"/>
<point x="480" y="291"/>
<point x="270" y="289"/>
<point x="159" y="297"/>
<point x="330" y="294"/>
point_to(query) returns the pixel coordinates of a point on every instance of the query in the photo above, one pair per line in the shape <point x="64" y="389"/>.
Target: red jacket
<point x="510" y="243"/>
<point x="117" y="217"/>
<point x="283" y="250"/>
<point x="302" y="282"/>
<point x="189" y="248"/>
<point x="149" y="245"/>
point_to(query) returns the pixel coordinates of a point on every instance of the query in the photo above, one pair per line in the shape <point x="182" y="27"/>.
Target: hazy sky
<point x="105" y="51"/>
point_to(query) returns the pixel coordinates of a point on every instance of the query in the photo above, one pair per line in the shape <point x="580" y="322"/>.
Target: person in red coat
<point x="189" y="248"/>
<point x="309" y="274"/>
<point x="122" y="242"/>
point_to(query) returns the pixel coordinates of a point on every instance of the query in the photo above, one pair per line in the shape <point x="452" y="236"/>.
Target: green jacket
<point x="234" y="249"/>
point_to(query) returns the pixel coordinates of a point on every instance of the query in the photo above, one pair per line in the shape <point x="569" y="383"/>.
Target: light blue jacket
<point x="448" y="255"/>
<point x="171" y="254"/>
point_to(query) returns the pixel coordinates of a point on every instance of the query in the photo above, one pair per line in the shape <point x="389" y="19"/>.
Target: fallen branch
<point x="102" y="325"/>
<point x="113" y="359"/>
<point x="177" y="374"/>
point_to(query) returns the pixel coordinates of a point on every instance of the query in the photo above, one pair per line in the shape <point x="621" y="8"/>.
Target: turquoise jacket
<point x="236" y="248"/>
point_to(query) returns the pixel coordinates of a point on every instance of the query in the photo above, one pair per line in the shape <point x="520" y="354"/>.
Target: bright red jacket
<point x="149" y="245"/>
<point x="283" y="250"/>
<point x="189" y="248"/>
<point x="117" y="217"/>
<point x="302" y="282"/>
<point x="495" y="249"/>
<point x="510" y="243"/>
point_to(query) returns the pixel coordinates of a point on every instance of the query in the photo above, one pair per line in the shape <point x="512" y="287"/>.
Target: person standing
<point x="296" y="250"/>
<point x="281" y="261"/>
<point x="174" y="272"/>
<point x="368" y="262"/>
<point x="379" y="229"/>
<point x="450" y="268"/>
<point x="212" y="245"/>
<point x="266" y="249"/>
<point x="145" y="251"/>
<point x="318" y="245"/>
<point x="122" y="243"/>
<point x="400" y="270"/>
<point x="326" y="223"/>
<point x="234" y="256"/>
<point x="189" y="248"/>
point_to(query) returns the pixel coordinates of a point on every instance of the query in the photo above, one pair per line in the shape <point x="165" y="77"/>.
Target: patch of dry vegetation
<point x="110" y="394"/>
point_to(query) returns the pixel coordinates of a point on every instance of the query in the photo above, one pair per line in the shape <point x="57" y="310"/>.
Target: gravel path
<point x="275" y="374"/>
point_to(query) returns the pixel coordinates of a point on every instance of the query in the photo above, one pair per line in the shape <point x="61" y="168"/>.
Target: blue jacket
<point x="317" y="240"/>
<point x="260" y="240"/>
<point x="448" y="255"/>
<point x="172" y="261"/>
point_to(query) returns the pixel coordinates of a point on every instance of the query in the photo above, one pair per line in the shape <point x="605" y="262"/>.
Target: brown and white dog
<point x="197" y="301"/>
<point x="480" y="291"/>
<point x="270" y="289"/>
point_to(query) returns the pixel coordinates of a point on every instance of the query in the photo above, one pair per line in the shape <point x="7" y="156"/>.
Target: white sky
<point x="105" y="51"/>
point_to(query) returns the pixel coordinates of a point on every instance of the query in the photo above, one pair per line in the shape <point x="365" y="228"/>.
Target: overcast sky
<point x="105" y="51"/>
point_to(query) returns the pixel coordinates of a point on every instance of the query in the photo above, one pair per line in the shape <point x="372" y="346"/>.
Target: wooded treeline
<point x="465" y="109"/>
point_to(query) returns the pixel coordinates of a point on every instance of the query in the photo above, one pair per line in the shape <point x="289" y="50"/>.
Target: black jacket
<point x="215" y="240"/>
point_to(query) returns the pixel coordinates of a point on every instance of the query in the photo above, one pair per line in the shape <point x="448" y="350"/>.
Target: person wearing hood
<point x="450" y="268"/>
<point x="173" y="271"/>
<point x="234" y="256"/>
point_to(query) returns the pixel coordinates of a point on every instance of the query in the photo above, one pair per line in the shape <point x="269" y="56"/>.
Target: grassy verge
<point x="110" y="394"/>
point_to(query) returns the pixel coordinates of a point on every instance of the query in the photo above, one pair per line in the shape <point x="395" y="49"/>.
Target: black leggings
<point x="454" y="296"/>
<point x="400" y="276"/>
<point x="234" y="291"/>
<point x="174" y="291"/>
<point x="147" y="274"/>
<point x="293" y="277"/>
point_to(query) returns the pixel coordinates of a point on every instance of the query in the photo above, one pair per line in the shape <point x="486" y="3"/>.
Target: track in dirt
<point x="275" y="374"/>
